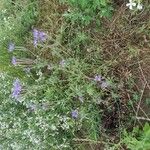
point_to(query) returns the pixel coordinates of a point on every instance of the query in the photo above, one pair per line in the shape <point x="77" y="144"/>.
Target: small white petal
<point x="128" y="4"/>
<point x="131" y="7"/>
<point x="139" y="6"/>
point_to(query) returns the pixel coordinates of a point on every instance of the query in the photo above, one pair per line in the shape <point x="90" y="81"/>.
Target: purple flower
<point x="104" y="84"/>
<point x="16" y="90"/>
<point x="14" y="61"/>
<point x="35" y="33"/>
<point x="98" y="78"/>
<point x="11" y="47"/>
<point x="38" y="36"/>
<point x="74" y="114"/>
<point x="42" y="36"/>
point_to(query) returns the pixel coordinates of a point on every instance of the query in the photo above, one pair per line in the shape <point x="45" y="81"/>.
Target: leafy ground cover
<point x="75" y="75"/>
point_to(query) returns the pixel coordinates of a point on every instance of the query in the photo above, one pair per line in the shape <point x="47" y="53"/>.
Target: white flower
<point x="139" y="6"/>
<point x="131" y="4"/>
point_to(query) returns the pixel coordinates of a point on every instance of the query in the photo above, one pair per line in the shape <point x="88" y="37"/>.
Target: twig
<point x="143" y="75"/>
<point x="140" y="99"/>
<point x="131" y="103"/>
<point x="144" y="112"/>
<point x="133" y="107"/>
<point x="142" y="118"/>
<point x="88" y="141"/>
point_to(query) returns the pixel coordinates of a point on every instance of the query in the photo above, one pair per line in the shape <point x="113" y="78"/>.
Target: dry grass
<point x="126" y="44"/>
<point x="51" y="16"/>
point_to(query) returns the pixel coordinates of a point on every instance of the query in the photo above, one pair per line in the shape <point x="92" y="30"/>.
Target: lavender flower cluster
<point x="38" y="36"/>
<point x="101" y="81"/>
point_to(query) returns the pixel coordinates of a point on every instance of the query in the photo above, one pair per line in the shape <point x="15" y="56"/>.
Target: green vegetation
<point x="84" y="12"/>
<point x="139" y="139"/>
<point x="74" y="75"/>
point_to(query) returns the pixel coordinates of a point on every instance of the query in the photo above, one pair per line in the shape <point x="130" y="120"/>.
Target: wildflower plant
<point x="134" y="4"/>
<point x="66" y="92"/>
<point x="86" y="11"/>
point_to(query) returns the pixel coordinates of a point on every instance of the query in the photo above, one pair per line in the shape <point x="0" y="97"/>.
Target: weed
<point x="139" y="139"/>
<point x="85" y="12"/>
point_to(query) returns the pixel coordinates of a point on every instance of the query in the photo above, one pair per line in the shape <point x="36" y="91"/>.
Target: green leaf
<point x="90" y="90"/>
<point x="146" y="127"/>
<point x="103" y="2"/>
